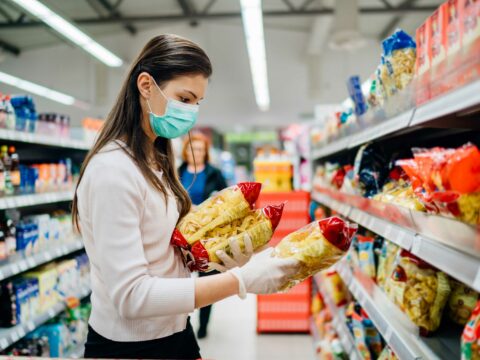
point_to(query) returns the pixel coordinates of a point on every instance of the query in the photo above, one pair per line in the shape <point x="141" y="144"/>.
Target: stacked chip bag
<point x="461" y="303"/>
<point x="471" y="336"/>
<point x="258" y="225"/>
<point x="447" y="181"/>
<point x="398" y="62"/>
<point x="226" y="215"/>
<point x="317" y="246"/>
<point x="420" y="290"/>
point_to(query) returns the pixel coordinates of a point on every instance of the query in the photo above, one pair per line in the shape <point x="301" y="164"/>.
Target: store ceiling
<point x="19" y="32"/>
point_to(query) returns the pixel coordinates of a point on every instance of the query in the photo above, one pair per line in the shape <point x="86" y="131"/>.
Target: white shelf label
<point x="21" y="332"/>
<point x="30" y="326"/>
<point x="476" y="282"/>
<point x="48" y="256"/>
<point x="388" y="334"/>
<point x="51" y="312"/>
<point x="23" y="265"/>
<point x="31" y="262"/>
<point x="58" y="252"/>
<point x="14" y="268"/>
<point x="3" y="343"/>
<point x="15" y="336"/>
<point x="388" y="232"/>
<point x="417" y="245"/>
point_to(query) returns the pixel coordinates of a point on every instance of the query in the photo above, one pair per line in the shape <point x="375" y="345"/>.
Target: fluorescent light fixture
<point x="252" y="18"/>
<point x="37" y="89"/>
<point x="70" y="31"/>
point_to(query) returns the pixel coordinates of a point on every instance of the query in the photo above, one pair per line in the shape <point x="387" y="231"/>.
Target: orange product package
<point x="470" y="24"/>
<point x="422" y="63"/>
<point x="438" y="49"/>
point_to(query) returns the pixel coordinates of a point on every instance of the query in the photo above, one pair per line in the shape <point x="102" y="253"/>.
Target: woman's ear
<point x="144" y="84"/>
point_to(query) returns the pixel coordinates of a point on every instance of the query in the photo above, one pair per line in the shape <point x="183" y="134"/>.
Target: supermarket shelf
<point x="396" y="328"/>
<point x="340" y="324"/>
<point x="448" y="244"/>
<point x="453" y="102"/>
<point x="9" y="336"/>
<point x="460" y="99"/>
<point x="23" y="263"/>
<point x="19" y="201"/>
<point x="30" y="138"/>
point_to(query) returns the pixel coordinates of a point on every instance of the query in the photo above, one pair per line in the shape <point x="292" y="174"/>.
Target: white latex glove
<point x="264" y="274"/>
<point x="238" y="257"/>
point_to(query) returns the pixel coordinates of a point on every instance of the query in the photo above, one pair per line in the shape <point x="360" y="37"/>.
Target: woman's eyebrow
<point x="193" y="94"/>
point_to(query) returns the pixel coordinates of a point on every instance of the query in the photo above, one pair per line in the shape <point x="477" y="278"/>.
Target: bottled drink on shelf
<point x="15" y="169"/>
<point x="7" y="165"/>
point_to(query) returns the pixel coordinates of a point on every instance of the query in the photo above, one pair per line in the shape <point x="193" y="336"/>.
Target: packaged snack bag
<point x="447" y="181"/>
<point x="422" y="65"/>
<point x="228" y="205"/>
<point x="400" y="193"/>
<point x="399" y="51"/>
<point x="471" y="336"/>
<point x="386" y="262"/>
<point x="366" y="255"/>
<point x="259" y="225"/>
<point x="360" y="336"/>
<point x="370" y="170"/>
<point x="420" y="290"/>
<point x="335" y="287"/>
<point x="317" y="246"/>
<point x="461" y="303"/>
<point x="387" y="354"/>
<point x="372" y="336"/>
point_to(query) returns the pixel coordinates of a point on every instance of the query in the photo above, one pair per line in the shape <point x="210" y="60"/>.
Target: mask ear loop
<point x="194" y="162"/>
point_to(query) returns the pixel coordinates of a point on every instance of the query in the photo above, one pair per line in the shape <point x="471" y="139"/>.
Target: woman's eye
<point x="184" y="100"/>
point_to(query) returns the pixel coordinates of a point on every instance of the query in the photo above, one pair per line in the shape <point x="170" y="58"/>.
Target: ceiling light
<point x="37" y="89"/>
<point x="70" y="31"/>
<point x="252" y="18"/>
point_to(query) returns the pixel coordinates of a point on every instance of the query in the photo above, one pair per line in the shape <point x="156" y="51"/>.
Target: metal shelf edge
<point x="34" y="199"/>
<point x="31" y="138"/>
<point x="14" y="334"/>
<point x="30" y="262"/>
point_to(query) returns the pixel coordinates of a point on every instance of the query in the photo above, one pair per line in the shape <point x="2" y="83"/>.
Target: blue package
<point x="355" y="91"/>
<point x="397" y="41"/>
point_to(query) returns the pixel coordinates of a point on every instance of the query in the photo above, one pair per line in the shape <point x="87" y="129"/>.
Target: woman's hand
<point x="264" y="274"/>
<point x="238" y="257"/>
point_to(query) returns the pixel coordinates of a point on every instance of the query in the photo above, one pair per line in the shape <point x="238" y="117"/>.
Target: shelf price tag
<point x="3" y="343"/>
<point x="476" y="282"/>
<point x="388" y="232"/>
<point x="388" y="334"/>
<point x="30" y="326"/>
<point x="23" y="265"/>
<point x="14" y="268"/>
<point x="417" y="245"/>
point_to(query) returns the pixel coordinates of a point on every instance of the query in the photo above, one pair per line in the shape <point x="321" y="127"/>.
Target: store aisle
<point x="232" y="335"/>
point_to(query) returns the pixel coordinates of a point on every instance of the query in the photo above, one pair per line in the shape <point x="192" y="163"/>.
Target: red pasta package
<point x="447" y="181"/>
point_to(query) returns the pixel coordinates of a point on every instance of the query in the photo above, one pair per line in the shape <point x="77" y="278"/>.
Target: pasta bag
<point x="230" y="204"/>
<point x="317" y="246"/>
<point x="471" y="336"/>
<point x="259" y="225"/>
<point x="420" y="290"/>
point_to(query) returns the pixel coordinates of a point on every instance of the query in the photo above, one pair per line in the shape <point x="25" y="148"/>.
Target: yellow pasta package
<point x="258" y="225"/>
<point x="317" y="246"/>
<point x="420" y="290"/>
<point x="230" y="204"/>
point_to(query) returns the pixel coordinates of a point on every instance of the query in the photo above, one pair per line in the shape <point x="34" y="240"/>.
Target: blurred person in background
<point x="201" y="180"/>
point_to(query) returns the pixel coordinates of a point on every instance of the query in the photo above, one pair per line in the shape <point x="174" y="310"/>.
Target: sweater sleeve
<point x="116" y="206"/>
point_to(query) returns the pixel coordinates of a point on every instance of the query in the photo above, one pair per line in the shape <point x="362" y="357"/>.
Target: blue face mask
<point x="179" y="118"/>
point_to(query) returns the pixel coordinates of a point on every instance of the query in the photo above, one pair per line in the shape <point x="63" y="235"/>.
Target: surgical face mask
<point x="178" y="119"/>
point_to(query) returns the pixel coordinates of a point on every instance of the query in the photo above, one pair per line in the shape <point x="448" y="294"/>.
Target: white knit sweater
<point x="141" y="289"/>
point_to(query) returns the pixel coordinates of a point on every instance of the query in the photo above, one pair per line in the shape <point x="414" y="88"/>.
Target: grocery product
<point x="471" y="336"/>
<point x="317" y="245"/>
<point x="335" y="287"/>
<point x="400" y="193"/>
<point x="258" y="225"/>
<point x="386" y="262"/>
<point x="370" y="170"/>
<point x="366" y="255"/>
<point x="387" y="354"/>
<point x="461" y="303"/>
<point x="399" y="62"/>
<point x="47" y="278"/>
<point x="360" y="336"/>
<point x="372" y="336"/>
<point x="447" y="180"/>
<point x="222" y="208"/>
<point x="355" y="91"/>
<point x="420" y="290"/>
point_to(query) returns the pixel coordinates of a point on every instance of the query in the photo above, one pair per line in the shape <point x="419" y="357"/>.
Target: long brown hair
<point x="165" y="57"/>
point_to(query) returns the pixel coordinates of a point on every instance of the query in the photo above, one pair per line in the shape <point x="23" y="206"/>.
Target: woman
<point x="201" y="180"/>
<point x="127" y="203"/>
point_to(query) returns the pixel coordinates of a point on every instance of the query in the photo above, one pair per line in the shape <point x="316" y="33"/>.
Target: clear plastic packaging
<point x="317" y="246"/>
